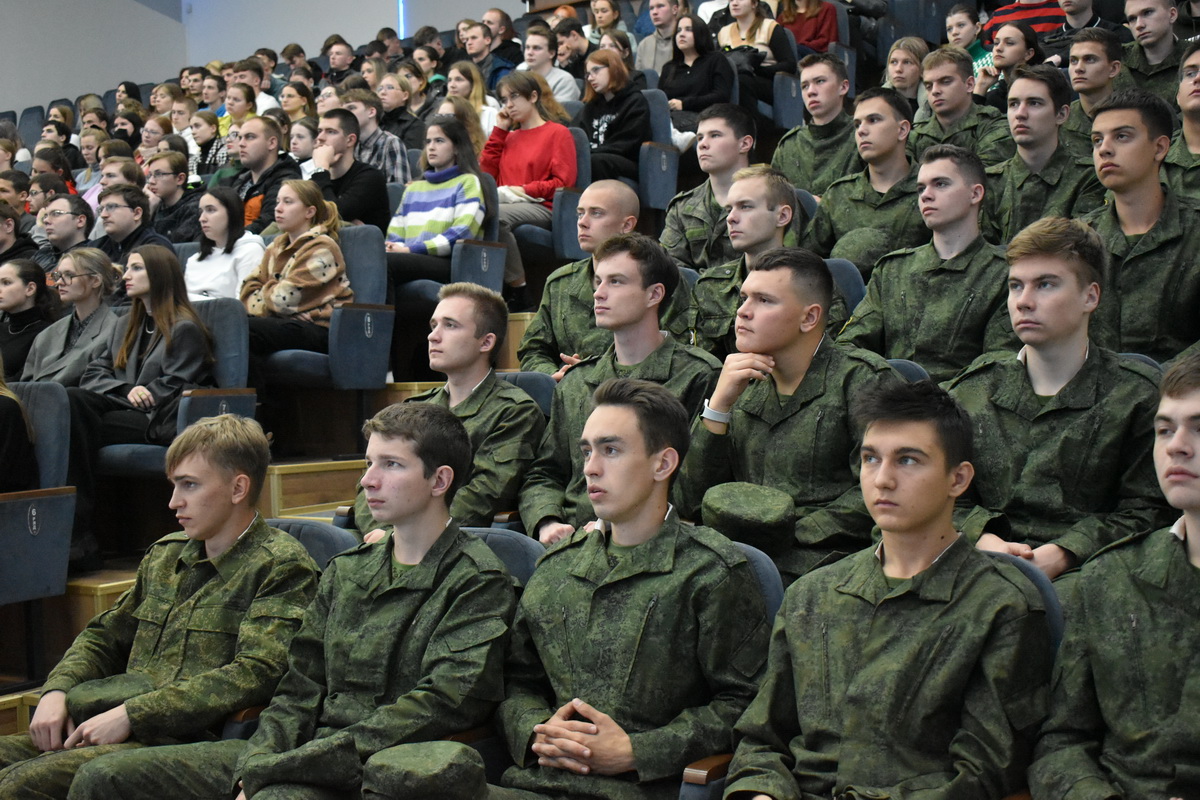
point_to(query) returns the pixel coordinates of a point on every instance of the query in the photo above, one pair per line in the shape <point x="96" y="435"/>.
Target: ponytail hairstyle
<point x="45" y="299"/>
<point x="327" y="213"/>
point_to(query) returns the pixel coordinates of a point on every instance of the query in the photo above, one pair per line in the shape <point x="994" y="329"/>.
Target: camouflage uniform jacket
<point x="667" y="638"/>
<point x="1124" y="710"/>
<point x="814" y="156"/>
<point x="1152" y="289"/>
<point x="1066" y="187"/>
<point x="565" y="321"/>
<point x="555" y="487"/>
<point x="962" y="301"/>
<point x="1182" y="169"/>
<point x="385" y="657"/>
<point x="932" y="689"/>
<point x="695" y="234"/>
<point x="804" y="445"/>
<point x="505" y="426"/>
<point x="195" y="639"/>
<point x="1161" y="79"/>
<point x="1076" y="472"/>
<point x="1077" y="130"/>
<point x="983" y="131"/>
<point x="852" y="203"/>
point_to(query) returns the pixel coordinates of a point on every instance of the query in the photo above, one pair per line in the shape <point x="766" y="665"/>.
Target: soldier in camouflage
<point x="957" y="279"/>
<point x="1151" y="62"/>
<point x="778" y="416"/>
<point x="1063" y="428"/>
<point x="915" y="668"/>
<point x="1095" y="62"/>
<point x="634" y="280"/>
<point x="203" y="633"/>
<point x="957" y="120"/>
<point x="1182" y="167"/>
<point x="563" y="331"/>
<point x="815" y="155"/>
<point x="404" y="643"/>
<point x="695" y="234"/>
<point x="1124" y="714"/>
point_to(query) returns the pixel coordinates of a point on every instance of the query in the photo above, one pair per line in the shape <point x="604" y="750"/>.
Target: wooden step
<point x="517" y="324"/>
<point x="15" y="710"/>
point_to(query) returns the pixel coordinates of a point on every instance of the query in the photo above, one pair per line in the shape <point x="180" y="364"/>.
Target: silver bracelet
<point x="709" y="412"/>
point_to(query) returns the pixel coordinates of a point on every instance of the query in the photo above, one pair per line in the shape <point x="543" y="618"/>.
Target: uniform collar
<point x="657" y="554"/>
<point x="422" y="576"/>
<point x="228" y="562"/>
<point x="935" y="583"/>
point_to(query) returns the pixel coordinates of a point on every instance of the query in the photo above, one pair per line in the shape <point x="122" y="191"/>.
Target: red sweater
<point x="539" y="160"/>
<point x="817" y="32"/>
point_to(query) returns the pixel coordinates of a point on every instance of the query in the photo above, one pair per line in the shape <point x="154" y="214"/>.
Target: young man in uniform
<point x="815" y="155"/>
<point x="1151" y="61"/>
<point x="1094" y="64"/>
<point x="1182" y="167"/>
<point x="947" y="74"/>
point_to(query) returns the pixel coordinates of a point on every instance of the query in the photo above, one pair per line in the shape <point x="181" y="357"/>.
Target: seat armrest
<point x="707" y="770"/>
<point x="360" y="342"/>
<point x="343" y="517"/>
<point x="472" y="735"/>
<point x="658" y="174"/>
<point x="475" y="261"/>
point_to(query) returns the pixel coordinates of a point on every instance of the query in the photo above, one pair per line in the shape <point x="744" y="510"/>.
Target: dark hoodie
<point x="181" y="222"/>
<point x="617" y="126"/>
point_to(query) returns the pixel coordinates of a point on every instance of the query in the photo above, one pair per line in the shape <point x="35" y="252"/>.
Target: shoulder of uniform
<point x="422" y="396"/>
<point x="896" y="255"/>
<point x="843" y="181"/>
<point x="725" y="549"/>
<point x="858" y="356"/>
<point x="481" y="554"/>
<point x="684" y="195"/>
<point x="1151" y="375"/>
<point x="989" y="113"/>
<point x="697" y="354"/>
<point x="1126" y="547"/>
<point x="981" y="365"/>
<point x="996" y="251"/>
<point x="997" y="169"/>
<point x="580" y="369"/>
<point x="171" y="538"/>
<point x="512" y="394"/>
<point x="719" y="272"/>
<point x="795" y="132"/>
<point x="567" y="270"/>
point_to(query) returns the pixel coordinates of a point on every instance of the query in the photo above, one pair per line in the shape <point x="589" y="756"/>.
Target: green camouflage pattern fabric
<point x="667" y="638"/>
<point x="983" y="131"/>
<point x="505" y="426"/>
<point x="804" y="445"/>
<point x="1160" y="79"/>
<point x="1182" y="169"/>
<point x="934" y="688"/>
<point x="27" y="773"/>
<point x="962" y="302"/>
<point x="198" y="770"/>
<point x="1152" y="286"/>
<point x="1066" y="187"/>
<point x="1124" y="710"/>
<point x="1077" y="130"/>
<point x="852" y="203"/>
<point x="1077" y="471"/>
<point x="555" y="487"/>
<point x="696" y="234"/>
<point x="385" y="656"/>
<point x="565" y="320"/>
<point x="814" y="156"/>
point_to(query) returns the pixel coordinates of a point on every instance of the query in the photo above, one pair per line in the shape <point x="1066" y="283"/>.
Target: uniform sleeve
<point x="819" y="235"/>
<point x="501" y="461"/>
<point x="709" y="463"/>
<point x="673" y="238"/>
<point x="865" y="329"/>
<point x="995" y="144"/>
<point x="528" y="695"/>
<point x="544" y="490"/>
<point x="539" y="348"/>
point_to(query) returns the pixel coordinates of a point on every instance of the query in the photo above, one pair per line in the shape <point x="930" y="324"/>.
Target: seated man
<point x="541" y="44"/>
<point x="66" y="220"/>
<point x="637" y="642"/>
<point x="1094" y="64"/>
<point x="404" y="642"/>
<point x="778" y="415"/>
<point x="358" y="189"/>
<point x="376" y="147"/>
<point x="125" y="214"/>
<point x="957" y="279"/>
<point x="263" y="171"/>
<point x="203" y="633"/>
<point x="1151" y="61"/>
<point x="815" y="155"/>
<point x="13" y="243"/>
<point x="916" y="667"/>
<point x="477" y="39"/>
<point x="695" y="233"/>
<point x="878" y="204"/>
<point x="1124" y="721"/>
<point x="1063" y="427"/>
<point x="14" y="190"/>
<point x="947" y="74"/>
<point x="59" y="133"/>
<point x="1047" y="177"/>
<point x="178" y="214"/>
<point x="563" y="331"/>
<point x="573" y="47"/>
<point x="250" y="72"/>
<point x="504" y="423"/>
<point x="634" y="279"/>
<point x="1080" y="17"/>
<point x="1182" y="167"/>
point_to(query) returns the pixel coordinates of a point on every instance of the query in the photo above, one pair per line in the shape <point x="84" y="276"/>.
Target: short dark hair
<point x="78" y="207"/>
<point x="426" y="34"/>
<point x="1182" y="378"/>
<point x="1108" y="41"/>
<point x="1051" y="77"/>
<point x="661" y="417"/>
<point x="484" y="29"/>
<point x="897" y="101"/>
<point x="739" y="120"/>
<point x="218" y="80"/>
<point x="61" y="128"/>
<point x="132" y="195"/>
<point x="374" y="48"/>
<point x="568" y="26"/>
<point x="386" y="33"/>
<point x="1155" y="113"/>
<point x="53" y="155"/>
<point x="268" y="53"/>
<point x="345" y="120"/>
<point x="249" y="65"/>
<point x="18" y="179"/>
<point x="437" y="436"/>
<point x="923" y="401"/>
<point x="968" y="163"/>
<point x="811" y="277"/>
<point x="291" y="50"/>
<point x="828" y="59"/>
<point x="50" y="183"/>
<point x="654" y="265"/>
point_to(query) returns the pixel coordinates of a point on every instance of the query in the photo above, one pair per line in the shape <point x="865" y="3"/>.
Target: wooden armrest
<point x="344" y="511"/>
<point x="34" y="494"/>
<point x="216" y="392"/>
<point x="707" y="770"/>
<point x="507" y="517"/>
<point x="472" y="735"/>
<point x="246" y="714"/>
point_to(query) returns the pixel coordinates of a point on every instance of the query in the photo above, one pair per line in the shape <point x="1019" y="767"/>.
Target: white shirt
<point x="221" y="274"/>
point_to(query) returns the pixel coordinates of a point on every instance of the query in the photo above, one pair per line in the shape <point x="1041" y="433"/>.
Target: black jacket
<point x="360" y="195"/>
<point x="403" y="123"/>
<point x="181" y="222"/>
<point x="709" y="80"/>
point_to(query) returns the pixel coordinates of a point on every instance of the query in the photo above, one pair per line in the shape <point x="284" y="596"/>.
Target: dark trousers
<point x="606" y="166"/>
<point x="270" y="335"/>
<point x="404" y="267"/>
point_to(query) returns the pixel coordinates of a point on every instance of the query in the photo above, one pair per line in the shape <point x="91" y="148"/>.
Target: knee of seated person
<point x="97" y="780"/>
<point x="447" y="770"/>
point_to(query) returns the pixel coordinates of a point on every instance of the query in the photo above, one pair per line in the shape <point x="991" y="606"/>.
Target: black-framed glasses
<point x="63" y="277"/>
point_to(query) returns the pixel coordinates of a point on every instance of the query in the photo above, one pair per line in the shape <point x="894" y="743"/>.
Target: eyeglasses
<point x="108" y="208"/>
<point x="157" y="175"/>
<point x="36" y="192"/>
<point x="57" y="213"/>
<point x="596" y="70"/>
<point x="63" y="277"/>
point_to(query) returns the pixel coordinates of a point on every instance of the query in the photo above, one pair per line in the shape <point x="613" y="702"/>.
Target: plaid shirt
<point x="387" y="153"/>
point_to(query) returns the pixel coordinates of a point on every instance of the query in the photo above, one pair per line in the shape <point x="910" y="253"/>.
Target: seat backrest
<point x="146" y="89"/>
<point x="768" y="578"/>
<point x="366" y="264"/>
<point x="110" y="101"/>
<point x="1045" y="587"/>
<point x="229" y="327"/>
<point x="573" y="108"/>
<point x="185" y="250"/>
<point x="537" y="385"/>
<point x="414" y="161"/>
<point x="30" y="125"/>
<point x="911" y="371"/>
<point x="843" y="23"/>
<point x="690" y="275"/>
<point x="62" y="101"/>
<point x="849" y="281"/>
<point x="8" y="116"/>
<point x="1145" y="359"/>
<point x="491" y="202"/>
<point x="651" y="78"/>
<point x="518" y="551"/>
<point x="322" y="540"/>
<point x="791" y="38"/>
<point x="395" y="195"/>
<point x="807" y="202"/>
<point x="50" y="413"/>
<point x="583" y="158"/>
<point x="660" y="116"/>
<point x="24" y="166"/>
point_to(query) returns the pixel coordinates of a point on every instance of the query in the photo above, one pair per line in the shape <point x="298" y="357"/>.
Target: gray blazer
<point x="50" y="360"/>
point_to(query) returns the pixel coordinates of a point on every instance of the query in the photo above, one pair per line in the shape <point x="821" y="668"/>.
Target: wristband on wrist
<point x="711" y="413"/>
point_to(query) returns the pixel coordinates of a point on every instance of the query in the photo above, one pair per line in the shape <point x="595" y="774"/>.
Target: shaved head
<point x="615" y="196"/>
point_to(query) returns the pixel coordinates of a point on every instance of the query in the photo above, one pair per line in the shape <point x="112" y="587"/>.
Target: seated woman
<point x="303" y="140"/>
<point x="127" y="127"/>
<point x="124" y="168"/>
<point x="466" y="81"/>
<point x="152" y="133"/>
<point x="615" y="117"/>
<point x="618" y="42"/>
<point x="430" y="62"/>
<point x="697" y="76"/>
<point x="461" y="109"/>
<point x="606" y="16"/>
<point x="1015" y="44"/>
<point x="228" y="254"/>
<point x="394" y="93"/>
<point x="163" y="96"/>
<point x="211" y="153"/>
<point x="302" y="277"/>
<point x="8" y="154"/>
<point x="18" y="462"/>
<point x="439" y="209"/>
<point x="128" y="90"/>
<point x="963" y="29"/>
<point x="27" y="307"/>
<point x="85" y="278"/>
<point x="297" y="101"/>
<point x="812" y="22"/>
<point x="752" y="28"/>
<point x="530" y="156"/>
<point x="373" y="70"/>
<point x="239" y="106"/>
<point x="903" y="73"/>
<point x="89" y="146"/>
<point x="426" y="95"/>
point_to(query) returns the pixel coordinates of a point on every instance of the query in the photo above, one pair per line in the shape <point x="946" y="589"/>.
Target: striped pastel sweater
<point x="438" y="211"/>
